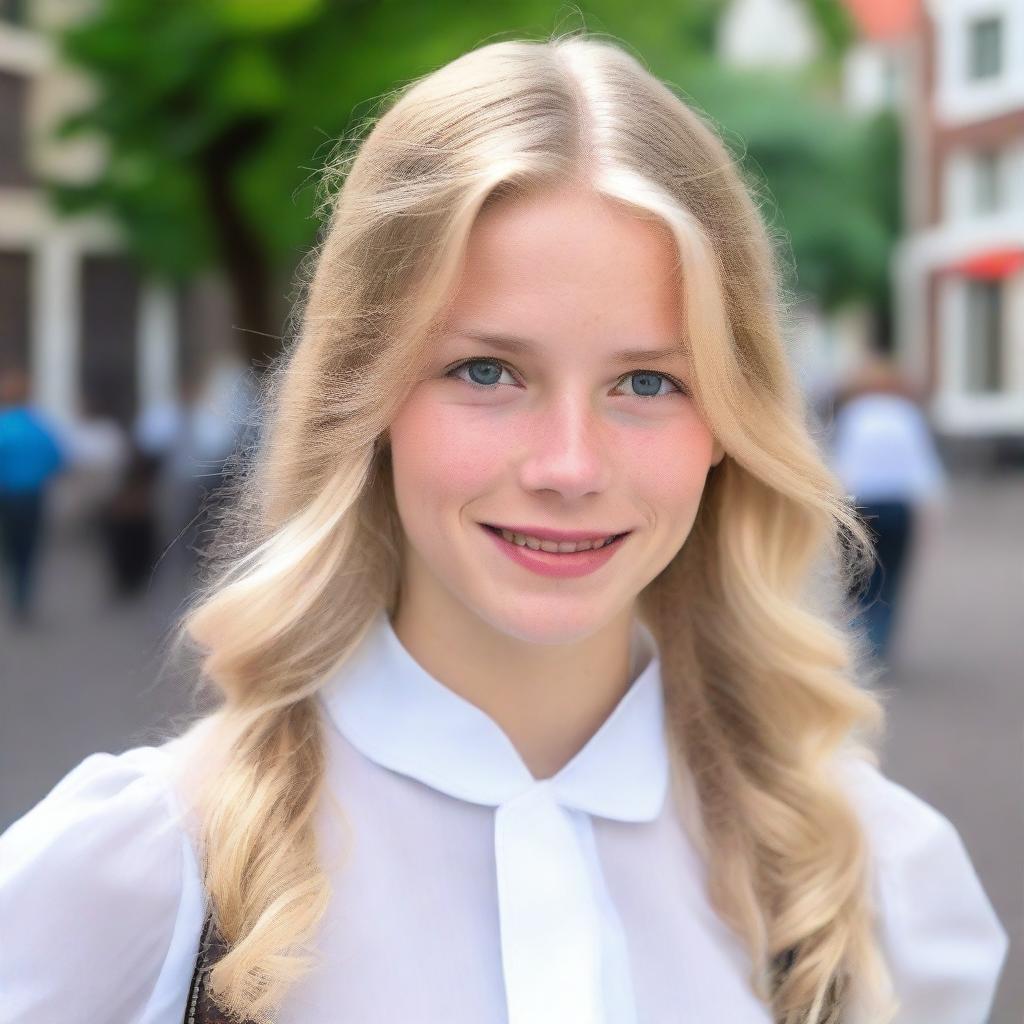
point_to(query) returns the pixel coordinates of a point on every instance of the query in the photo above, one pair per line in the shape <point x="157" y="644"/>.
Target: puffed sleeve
<point x="944" y="946"/>
<point x="100" y="900"/>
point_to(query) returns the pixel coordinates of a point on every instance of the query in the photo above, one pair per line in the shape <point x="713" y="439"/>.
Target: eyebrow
<point x="511" y="343"/>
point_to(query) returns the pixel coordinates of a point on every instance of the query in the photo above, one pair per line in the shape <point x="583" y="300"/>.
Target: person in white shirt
<point x="459" y="771"/>
<point x="884" y="453"/>
<point x="98" y="454"/>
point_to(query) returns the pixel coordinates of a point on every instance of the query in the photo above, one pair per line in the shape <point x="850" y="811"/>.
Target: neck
<point x="549" y="699"/>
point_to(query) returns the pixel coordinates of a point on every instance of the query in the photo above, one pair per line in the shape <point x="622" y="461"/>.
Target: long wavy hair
<point x="762" y="673"/>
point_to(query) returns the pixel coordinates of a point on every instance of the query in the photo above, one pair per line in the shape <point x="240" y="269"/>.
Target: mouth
<point x="608" y="541"/>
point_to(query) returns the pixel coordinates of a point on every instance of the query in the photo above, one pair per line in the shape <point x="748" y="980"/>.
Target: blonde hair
<point x="760" y="673"/>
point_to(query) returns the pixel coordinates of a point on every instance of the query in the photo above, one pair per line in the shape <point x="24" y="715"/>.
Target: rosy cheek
<point x="459" y="450"/>
<point x="446" y="448"/>
<point x="669" y="464"/>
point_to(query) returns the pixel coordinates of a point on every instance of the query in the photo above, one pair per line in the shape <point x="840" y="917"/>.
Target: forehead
<point x="570" y="260"/>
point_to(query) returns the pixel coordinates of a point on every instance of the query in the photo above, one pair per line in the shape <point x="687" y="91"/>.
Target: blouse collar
<point x="398" y="715"/>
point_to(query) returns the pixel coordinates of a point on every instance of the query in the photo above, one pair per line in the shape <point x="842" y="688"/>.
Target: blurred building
<point x="783" y="35"/>
<point x="877" y="67"/>
<point x="73" y="308"/>
<point x="953" y="70"/>
<point x="960" y="271"/>
<point x="767" y="33"/>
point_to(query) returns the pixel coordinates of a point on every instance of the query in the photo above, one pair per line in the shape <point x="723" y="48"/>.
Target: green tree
<point x="828" y="182"/>
<point x="218" y="114"/>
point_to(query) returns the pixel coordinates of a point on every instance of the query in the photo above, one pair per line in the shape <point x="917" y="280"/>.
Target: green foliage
<point x="835" y="24"/>
<point x="828" y="182"/>
<point x="218" y="116"/>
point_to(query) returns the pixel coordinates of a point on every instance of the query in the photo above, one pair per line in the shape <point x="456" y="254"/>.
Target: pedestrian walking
<point x="195" y="458"/>
<point x="525" y="708"/>
<point x="130" y="530"/>
<point x="97" y="450"/>
<point x="884" y="453"/>
<point x="30" y="456"/>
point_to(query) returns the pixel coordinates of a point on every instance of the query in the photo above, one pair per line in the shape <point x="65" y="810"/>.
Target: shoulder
<point x="943" y="942"/>
<point x="100" y="886"/>
<point x="896" y="819"/>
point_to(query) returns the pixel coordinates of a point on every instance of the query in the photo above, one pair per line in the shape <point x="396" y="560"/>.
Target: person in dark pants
<point x="29" y="457"/>
<point x="129" y="525"/>
<point x="884" y="453"/>
<point x="892" y="526"/>
<point x="21" y="516"/>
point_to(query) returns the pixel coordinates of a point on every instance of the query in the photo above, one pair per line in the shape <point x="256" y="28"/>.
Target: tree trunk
<point x="244" y="257"/>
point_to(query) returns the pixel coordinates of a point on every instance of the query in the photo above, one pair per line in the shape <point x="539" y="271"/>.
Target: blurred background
<point x="158" y="174"/>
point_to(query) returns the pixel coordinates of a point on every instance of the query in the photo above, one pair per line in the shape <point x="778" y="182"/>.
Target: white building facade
<point x="92" y="332"/>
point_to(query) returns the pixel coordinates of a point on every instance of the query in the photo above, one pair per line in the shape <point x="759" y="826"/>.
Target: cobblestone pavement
<point x="86" y="678"/>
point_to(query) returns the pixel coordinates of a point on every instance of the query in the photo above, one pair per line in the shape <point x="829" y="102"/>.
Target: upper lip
<point x="542" y="533"/>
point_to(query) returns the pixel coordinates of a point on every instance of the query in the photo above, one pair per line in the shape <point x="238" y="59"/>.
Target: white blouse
<point x="464" y="890"/>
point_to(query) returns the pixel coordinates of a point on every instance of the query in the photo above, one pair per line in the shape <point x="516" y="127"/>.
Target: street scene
<point x="166" y="174"/>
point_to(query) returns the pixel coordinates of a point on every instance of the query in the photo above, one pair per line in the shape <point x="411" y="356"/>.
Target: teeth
<point x="559" y="547"/>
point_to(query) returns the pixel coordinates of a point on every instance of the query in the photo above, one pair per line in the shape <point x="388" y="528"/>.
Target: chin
<point x="545" y="621"/>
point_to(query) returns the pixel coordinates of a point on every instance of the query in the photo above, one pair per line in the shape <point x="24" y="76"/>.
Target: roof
<point x="881" y="20"/>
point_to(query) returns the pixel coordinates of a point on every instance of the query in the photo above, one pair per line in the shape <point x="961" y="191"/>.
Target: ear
<point x="717" y="453"/>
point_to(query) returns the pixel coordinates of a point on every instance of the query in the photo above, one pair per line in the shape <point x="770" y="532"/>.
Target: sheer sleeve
<point x="100" y="899"/>
<point x="943" y="943"/>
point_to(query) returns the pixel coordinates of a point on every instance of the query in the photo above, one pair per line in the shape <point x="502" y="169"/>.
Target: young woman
<point x="457" y="773"/>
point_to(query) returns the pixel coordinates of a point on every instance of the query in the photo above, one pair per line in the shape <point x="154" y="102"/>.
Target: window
<point x="15" y="281"/>
<point x="984" y="362"/>
<point x="13" y="11"/>
<point x="987" y="182"/>
<point x="985" y="48"/>
<point x="891" y="81"/>
<point x="109" y="316"/>
<point x="14" y="168"/>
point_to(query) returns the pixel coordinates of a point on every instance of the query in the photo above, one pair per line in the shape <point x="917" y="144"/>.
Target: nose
<point x="568" y="449"/>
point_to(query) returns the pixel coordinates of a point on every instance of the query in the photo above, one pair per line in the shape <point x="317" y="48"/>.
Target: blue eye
<point x="494" y="368"/>
<point x="651" y="375"/>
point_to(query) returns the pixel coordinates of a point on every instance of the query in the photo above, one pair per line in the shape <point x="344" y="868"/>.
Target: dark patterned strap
<point x="784" y="963"/>
<point x="200" y="1008"/>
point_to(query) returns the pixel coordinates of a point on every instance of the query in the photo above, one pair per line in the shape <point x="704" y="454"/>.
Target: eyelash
<point x="483" y="359"/>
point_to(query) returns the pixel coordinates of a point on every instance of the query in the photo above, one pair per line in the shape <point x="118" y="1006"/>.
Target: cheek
<point x="668" y="467"/>
<point x="439" y="454"/>
<point x="447" y="453"/>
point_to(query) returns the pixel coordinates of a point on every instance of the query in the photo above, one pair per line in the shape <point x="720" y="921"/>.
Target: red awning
<point x="994" y="264"/>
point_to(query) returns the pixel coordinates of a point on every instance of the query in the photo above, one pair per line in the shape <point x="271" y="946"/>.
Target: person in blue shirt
<point x="29" y="458"/>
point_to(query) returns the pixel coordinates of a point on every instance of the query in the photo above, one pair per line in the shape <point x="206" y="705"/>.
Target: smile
<point x="545" y="558"/>
<point x="555" y="547"/>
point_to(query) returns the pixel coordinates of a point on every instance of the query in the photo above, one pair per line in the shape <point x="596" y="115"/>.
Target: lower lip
<point x="547" y="563"/>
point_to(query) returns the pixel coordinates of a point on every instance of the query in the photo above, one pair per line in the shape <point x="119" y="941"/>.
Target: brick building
<point x="959" y="272"/>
